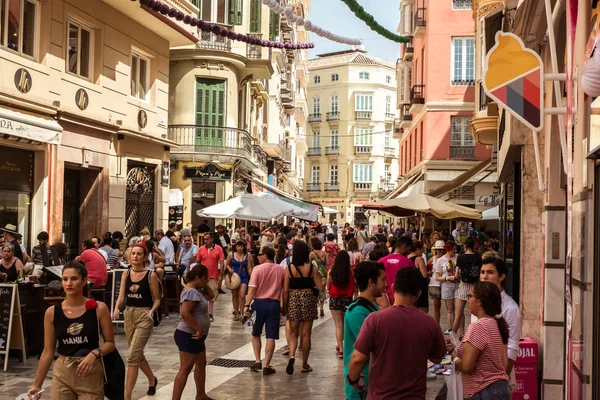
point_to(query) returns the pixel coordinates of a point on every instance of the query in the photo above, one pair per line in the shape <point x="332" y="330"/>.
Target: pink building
<point x="436" y="94"/>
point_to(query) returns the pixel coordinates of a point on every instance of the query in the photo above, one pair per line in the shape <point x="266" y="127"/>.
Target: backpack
<point x="469" y="270"/>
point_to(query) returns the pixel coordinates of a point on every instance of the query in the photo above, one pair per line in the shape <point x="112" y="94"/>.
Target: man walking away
<point x="212" y="257"/>
<point x="370" y="278"/>
<point x="397" y="261"/>
<point x="400" y="340"/>
<point x="265" y="287"/>
<point x="361" y="237"/>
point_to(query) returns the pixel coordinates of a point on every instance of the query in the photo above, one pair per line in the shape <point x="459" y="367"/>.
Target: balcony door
<point x="210" y="112"/>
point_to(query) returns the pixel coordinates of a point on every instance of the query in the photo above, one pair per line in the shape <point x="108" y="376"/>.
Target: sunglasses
<point x="260" y="254"/>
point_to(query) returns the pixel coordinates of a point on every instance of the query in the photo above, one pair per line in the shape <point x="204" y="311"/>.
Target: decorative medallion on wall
<point x="23" y="80"/>
<point x="82" y="99"/>
<point x="142" y="119"/>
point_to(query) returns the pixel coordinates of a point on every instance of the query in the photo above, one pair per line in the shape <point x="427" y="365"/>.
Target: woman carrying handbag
<point x="76" y="324"/>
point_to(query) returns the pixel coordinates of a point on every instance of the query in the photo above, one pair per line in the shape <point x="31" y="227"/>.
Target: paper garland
<point x="368" y="19"/>
<point x="308" y="25"/>
<point x="172" y="12"/>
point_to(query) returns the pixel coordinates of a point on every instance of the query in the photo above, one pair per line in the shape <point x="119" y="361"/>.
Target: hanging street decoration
<point x="368" y="19"/>
<point x="164" y="9"/>
<point x="308" y="25"/>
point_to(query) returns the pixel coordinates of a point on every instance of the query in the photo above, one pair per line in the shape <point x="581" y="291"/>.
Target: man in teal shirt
<point x="372" y="283"/>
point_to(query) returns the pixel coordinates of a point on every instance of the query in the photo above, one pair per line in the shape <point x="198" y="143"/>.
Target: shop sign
<point x="210" y="171"/>
<point x="165" y="172"/>
<point x="491" y="200"/>
<point x="16" y="167"/>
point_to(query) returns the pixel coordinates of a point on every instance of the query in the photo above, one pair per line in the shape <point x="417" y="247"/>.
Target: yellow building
<point x="352" y="157"/>
<point x="83" y="116"/>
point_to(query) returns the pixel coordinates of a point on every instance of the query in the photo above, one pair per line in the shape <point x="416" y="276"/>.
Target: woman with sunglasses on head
<point x="75" y="324"/>
<point x="240" y="263"/>
<point x="141" y="294"/>
<point x="447" y="274"/>
<point x="482" y="355"/>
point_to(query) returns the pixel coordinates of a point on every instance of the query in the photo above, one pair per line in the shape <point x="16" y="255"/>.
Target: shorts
<point x="464" y="290"/>
<point x="213" y="284"/>
<point x="187" y="344"/>
<point x="267" y="314"/>
<point x="339" y="304"/>
<point x="435" y="292"/>
<point x="449" y="290"/>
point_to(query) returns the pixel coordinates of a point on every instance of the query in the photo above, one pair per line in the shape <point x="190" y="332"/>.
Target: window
<point x="140" y="78"/>
<point x="462" y="144"/>
<point x="210" y="110"/>
<point x="461" y="4"/>
<point x="387" y="140"/>
<point x="316" y="106"/>
<point x="19" y="22"/>
<point x="315" y="174"/>
<point x="235" y="12"/>
<point x="363" y="173"/>
<point x="388" y="79"/>
<point x="335" y="78"/>
<point x="300" y="166"/>
<point x="274" y="25"/>
<point x="363" y="75"/>
<point x="388" y="105"/>
<point x="255" y="11"/>
<point x="317" y="79"/>
<point x="335" y="104"/>
<point x="463" y="61"/>
<point x="316" y="140"/>
<point x="363" y="102"/>
<point x="334" y="139"/>
<point x="363" y="137"/>
<point x="214" y="10"/>
<point x="333" y="174"/>
<point x="79" y="50"/>
<point x="387" y="169"/>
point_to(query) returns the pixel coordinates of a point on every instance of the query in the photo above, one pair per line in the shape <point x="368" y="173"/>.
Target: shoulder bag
<point x="114" y="371"/>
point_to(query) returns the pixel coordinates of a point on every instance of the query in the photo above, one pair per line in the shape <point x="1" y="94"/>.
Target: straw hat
<point x="438" y="245"/>
<point x="233" y="282"/>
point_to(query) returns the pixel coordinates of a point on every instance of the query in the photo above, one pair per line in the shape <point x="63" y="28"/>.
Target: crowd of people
<point x="376" y="285"/>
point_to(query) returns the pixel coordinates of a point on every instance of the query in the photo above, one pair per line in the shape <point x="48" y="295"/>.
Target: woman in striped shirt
<point x="481" y="356"/>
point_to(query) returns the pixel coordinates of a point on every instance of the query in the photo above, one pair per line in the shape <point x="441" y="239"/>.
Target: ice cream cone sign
<point x="514" y="77"/>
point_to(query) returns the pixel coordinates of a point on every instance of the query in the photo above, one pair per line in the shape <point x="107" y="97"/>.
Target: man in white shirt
<point x="456" y="234"/>
<point x="166" y="246"/>
<point x="361" y="237"/>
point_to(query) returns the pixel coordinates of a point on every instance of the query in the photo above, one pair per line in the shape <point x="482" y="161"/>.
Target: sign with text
<point x="210" y="171"/>
<point x="11" y="325"/>
<point x="491" y="200"/>
<point x="16" y="167"/>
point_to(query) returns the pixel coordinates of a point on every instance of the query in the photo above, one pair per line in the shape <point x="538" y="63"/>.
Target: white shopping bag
<point x="454" y="384"/>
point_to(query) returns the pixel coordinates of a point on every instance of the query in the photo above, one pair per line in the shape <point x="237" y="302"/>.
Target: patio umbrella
<point x="423" y="204"/>
<point x="248" y="207"/>
<point x="297" y="212"/>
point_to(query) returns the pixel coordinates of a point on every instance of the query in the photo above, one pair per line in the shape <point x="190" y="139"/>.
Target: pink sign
<point x="526" y="371"/>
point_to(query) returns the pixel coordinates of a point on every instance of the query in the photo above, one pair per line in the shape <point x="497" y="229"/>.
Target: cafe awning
<point x="410" y="181"/>
<point x="313" y="209"/>
<point x="25" y="126"/>
<point x="461" y="179"/>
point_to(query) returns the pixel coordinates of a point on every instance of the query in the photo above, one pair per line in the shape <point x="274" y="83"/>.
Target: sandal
<point x="306" y="368"/>
<point x="290" y="367"/>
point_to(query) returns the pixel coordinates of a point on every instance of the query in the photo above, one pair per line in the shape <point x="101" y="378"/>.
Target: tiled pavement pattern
<point x="226" y="339"/>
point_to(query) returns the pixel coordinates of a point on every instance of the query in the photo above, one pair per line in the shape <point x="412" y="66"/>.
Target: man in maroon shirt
<point x="396" y="261"/>
<point x="399" y="340"/>
<point x="94" y="263"/>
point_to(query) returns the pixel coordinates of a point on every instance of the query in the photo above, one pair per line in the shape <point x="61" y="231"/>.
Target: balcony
<point x="314" y="118"/>
<point x="261" y="157"/>
<point x="405" y="116"/>
<point x="417" y="98"/>
<point x="419" y="22"/>
<point x="210" y="41"/>
<point x="332" y="187"/>
<point x="332" y="151"/>
<point x="484" y="125"/>
<point x="398" y="131"/>
<point x="462" y="152"/>
<point x="363" y="149"/>
<point x="333" y="116"/>
<point x="364" y="115"/>
<point x="212" y="140"/>
<point x="313" y="187"/>
<point x="314" y="152"/>
<point x="408" y="51"/>
<point x="462" y="82"/>
<point x="254" y="52"/>
<point x="389" y="152"/>
<point x="389" y="117"/>
<point x="362" y="187"/>
<point x="287" y="94"/>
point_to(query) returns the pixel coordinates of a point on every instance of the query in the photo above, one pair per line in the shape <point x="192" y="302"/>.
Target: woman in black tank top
<point x="140" y="293"/>
<point x="74" y="325"/>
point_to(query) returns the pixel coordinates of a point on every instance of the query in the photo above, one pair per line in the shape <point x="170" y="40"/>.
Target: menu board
<point x="116" y="287"/>
<point x="10" y="315"/>
<point x="176" y="216"/>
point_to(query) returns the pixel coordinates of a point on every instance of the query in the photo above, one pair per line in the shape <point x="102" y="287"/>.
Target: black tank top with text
<point x="76" y="336"/>
<point x="138" y="294"/>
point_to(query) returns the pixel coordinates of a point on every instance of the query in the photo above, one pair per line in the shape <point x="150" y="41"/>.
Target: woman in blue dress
<point x="241" y="263"/>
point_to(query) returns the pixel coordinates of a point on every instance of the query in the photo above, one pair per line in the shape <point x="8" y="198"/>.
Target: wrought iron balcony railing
<point x="364" y="115"/>
<point x="333" y="116"/>
<point x="210" y="41"/>
<point x="332" y="187"/>
<point x="314" y="118"/>
<point x="314" y="151"/>
<point x="210" y="139"/>
<point x="313" y="187"/>
<point x="462" y="152"/>
<point x="332" y="151"/>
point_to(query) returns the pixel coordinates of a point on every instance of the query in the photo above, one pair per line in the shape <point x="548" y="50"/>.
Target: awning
<point x="29" y="126"/>
<point x="404" y="186"/>
<point x="329" y="210"/>
<point x="313" y="209"/>
<point x="417" y="188"/>
<point x="491" y="214"/>
<point x="293" y="184"/>
<point x="461" y="179"/>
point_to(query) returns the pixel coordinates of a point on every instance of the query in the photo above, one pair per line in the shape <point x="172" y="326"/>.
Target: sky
<point x="336" y="17"/>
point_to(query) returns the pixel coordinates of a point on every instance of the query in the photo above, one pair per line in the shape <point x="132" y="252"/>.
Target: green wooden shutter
<point x="236" y="8"/>
<point x="210" y="112"/>
<point x="255" y="11"/>
<point x="274" y="21"/>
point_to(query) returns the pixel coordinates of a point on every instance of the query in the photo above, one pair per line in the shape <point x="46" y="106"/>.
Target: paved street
<point x="226" y="340"/>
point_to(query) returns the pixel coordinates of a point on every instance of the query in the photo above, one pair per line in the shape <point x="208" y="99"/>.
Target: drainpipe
<point x="49" y="199"/>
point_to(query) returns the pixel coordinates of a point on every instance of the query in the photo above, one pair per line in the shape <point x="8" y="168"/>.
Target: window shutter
<point x="255" y="11"/>
<point x="274" y="21"/>
<point x="236" y="8"/>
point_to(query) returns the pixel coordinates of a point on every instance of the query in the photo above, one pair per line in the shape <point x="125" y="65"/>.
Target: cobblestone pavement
<point x="227" y="340"/>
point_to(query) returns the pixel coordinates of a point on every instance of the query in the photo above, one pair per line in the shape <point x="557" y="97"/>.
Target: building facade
<point x="352" y="157"/>
<point x="438" y="155"/>
<point x="84" y="110"/>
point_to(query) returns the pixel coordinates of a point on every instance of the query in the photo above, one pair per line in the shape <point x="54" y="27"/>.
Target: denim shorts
<point x="187" y="344"/>
<point x="267" y="314"/>
<point x="499" y="390"/>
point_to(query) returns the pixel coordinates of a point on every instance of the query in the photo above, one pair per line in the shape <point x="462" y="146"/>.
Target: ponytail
<point x="503" y="328"/>
<point x="490" y="298"/>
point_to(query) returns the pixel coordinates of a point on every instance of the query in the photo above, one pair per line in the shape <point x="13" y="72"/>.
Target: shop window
<point x="20" y="26"/>
<point x="140" y="76"/>
<point x="79" y="49"/>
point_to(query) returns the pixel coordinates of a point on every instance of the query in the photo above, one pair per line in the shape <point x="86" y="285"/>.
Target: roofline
<point x="337" y="53"/>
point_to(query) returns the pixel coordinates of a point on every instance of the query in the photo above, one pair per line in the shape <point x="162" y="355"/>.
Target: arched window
<point x="317" y="79"/>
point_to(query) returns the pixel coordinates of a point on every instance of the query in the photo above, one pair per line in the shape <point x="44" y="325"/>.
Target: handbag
<point x="114" y="372"/>
<point x="156" y="315"/>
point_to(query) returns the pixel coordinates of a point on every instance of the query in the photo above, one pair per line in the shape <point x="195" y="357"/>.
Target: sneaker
<point x="340" y="354"/>
<point x="212" y="319"/>
<point x="431" y="376"/>
<point x="322" y="313"/>
<point x="268" y="371"/>
<point x="286" y="350"/>
<point x="256" y="367"/>
<point x="434" y="368"/>
<point x="448" y="331"/>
